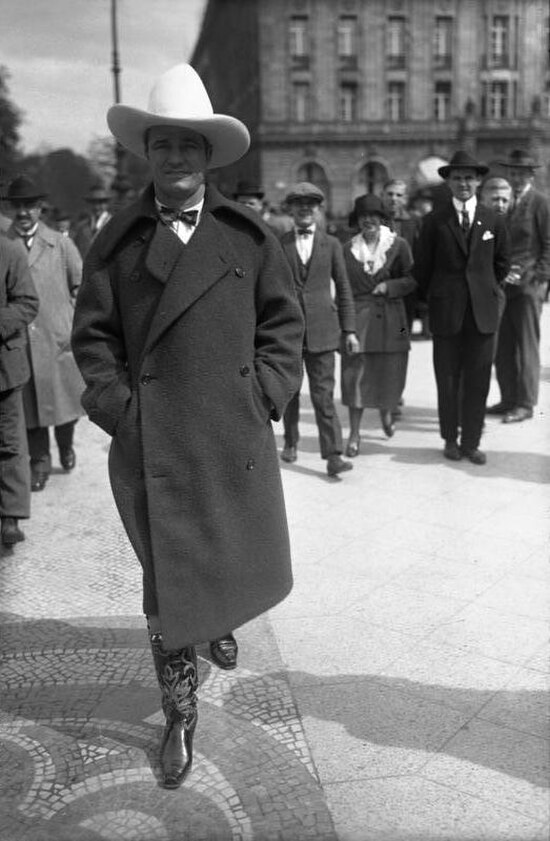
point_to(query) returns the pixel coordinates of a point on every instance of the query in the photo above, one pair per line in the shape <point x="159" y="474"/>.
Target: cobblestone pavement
<point x="398" y="694"/>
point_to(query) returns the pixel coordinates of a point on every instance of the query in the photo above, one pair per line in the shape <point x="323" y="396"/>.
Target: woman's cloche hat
<point x="179" y="98"/>
<point x="366" y="205"/>
<point x="463" y="160"/>
<point x="23" y="188"/>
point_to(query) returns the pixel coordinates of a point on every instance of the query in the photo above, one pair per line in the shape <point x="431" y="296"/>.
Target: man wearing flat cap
<point x="517" y="360"/>
<point x="316" y="259"/>
<point x="189" y="337"/>
<point x="461" y="258"/>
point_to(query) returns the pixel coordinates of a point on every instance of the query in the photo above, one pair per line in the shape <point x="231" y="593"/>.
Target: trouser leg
<point x="506" y="357"/>
<point x="447" y="369"/>
<point x="320" y="371"/>
<point x="39" y="449"/>
<point x="527" y="329"/>
<point x="64" y="435"/>
<point x="291" y="419"/>
<point x="15" y="482"/>
<point x="476" y="378"/>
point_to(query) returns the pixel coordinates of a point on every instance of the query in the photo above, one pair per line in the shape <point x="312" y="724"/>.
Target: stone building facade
<point x="349" y="93"/>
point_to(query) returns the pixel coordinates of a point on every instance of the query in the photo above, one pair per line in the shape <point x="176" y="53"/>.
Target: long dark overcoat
<point x="52" y="395"/>
<point x="188" y="352"/>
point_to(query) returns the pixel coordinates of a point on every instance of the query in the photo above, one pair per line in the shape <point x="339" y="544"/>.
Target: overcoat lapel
<point x="289" y="247"/>
<point x="188" y="271"/>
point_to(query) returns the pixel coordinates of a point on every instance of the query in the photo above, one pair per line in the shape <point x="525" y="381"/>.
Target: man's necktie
<point x="465" y="224"/>
<point x="304" y="232"/>
<point x="169" y="216"/>
<point x="27" y="239"/>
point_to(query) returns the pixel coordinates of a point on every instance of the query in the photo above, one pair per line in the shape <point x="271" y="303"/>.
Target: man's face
<point x="463" y="183"/>
<point x="99" y="206"/>
<point x="26" y="213"/>
<point x="498" y="198"/>
<point x="178" y="159"/>
<point x="395" y="197"/>
<point x="303" y="211"/>
<point x="253" y="202"/>
<point x="519" y="178"/>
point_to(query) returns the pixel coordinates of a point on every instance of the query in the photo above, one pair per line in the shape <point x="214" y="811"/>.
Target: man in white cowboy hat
<point x="189" y="337"/>
<point x="517" y="360"/>
<point x="461" y="256"/>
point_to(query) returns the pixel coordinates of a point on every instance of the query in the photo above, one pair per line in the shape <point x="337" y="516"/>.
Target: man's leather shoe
<point x="498" y="409"/>
<point x="224" y="652"/>
<point x="38" y="480"/>
<point x="474" y="455"/>
<point x="289" y="454"/>
<point x="520" y="413"/>
<point x="10" y="531"/>
<point x="451" y="451"/>
<point x="67" y="458"/>
<point x="336" y="464"/>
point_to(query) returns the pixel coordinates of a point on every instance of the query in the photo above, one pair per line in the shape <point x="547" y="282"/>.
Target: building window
<point x="348" y="102"/>
<point x="500" y="41"/>
<point x="396" y="102"/>
<point x="347" y="41"/>
<point x="395" y="47"/>
<point x="300" y="102"/>
<point x="495" y="100"/>
<point x="442" y="101"/>
<point x="299" y="41"/>
<point x="443" y="42"/>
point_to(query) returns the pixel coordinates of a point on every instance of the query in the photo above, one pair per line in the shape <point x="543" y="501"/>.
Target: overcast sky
<point x="59" y="54"/>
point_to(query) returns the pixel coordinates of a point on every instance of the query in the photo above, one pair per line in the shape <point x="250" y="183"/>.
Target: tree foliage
<point x="10" y="122"/>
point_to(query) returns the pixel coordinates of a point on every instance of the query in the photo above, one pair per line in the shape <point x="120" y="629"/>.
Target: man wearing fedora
<point x="98" y="200"/>
<point x="461" y="258"/>
<point x="316" y="259"/>
<point x="52" y="394"/>
<point x="517" y="360"/>
<point x="251" y="195"/>
<point x="18" y="307"/>
<point x="189" y="337"/>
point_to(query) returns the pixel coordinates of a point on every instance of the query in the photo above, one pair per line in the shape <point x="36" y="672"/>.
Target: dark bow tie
<point x="169" y="215"/>
<point x="304" y="232"/>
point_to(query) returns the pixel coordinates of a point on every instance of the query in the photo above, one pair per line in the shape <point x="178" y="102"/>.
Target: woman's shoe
<point x="353" y="447"/>
<point x="387" y="422"/>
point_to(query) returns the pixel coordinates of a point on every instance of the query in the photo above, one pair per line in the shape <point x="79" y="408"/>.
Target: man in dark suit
<point x="518" y="357"/>
<point x="98" y="200"/>
<point x="461" y="258"/>
<point x="18" y="307"/>
<point x="316" y="258"/>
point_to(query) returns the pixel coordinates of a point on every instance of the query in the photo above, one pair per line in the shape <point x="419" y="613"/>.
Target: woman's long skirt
<point x="373" y="380"/>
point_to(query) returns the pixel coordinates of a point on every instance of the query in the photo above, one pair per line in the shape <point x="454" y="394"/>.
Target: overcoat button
<point x="244" y="370"/>
<point x="239" y="272"/>
<point x="250" y="464"/>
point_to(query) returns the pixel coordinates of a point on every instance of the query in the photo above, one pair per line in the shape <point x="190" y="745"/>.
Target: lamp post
<point x="120" y="184"/>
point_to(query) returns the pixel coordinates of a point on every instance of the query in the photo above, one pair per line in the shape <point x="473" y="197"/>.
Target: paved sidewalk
<point x="398" y="694"/>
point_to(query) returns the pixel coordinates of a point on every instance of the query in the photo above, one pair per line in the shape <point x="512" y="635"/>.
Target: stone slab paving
<point x="399" y="694"/>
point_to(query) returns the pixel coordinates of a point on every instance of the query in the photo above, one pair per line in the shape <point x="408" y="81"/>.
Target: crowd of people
<point x="187" y="300"/>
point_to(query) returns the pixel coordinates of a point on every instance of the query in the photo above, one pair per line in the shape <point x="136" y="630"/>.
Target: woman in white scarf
<point x="379" y="267"/>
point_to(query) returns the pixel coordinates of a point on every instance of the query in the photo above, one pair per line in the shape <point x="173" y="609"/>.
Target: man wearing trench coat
<point x="51" y="397"/>
<point x="189" y="336"/>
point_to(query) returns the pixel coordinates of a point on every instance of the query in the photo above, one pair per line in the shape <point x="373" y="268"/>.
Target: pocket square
<point x="487" y="235"/>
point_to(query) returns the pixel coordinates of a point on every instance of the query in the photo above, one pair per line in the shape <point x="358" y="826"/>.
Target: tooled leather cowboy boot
<point x="178" y="680"/>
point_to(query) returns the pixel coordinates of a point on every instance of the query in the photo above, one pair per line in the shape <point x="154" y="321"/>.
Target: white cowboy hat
<point x="179" y="98"/>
